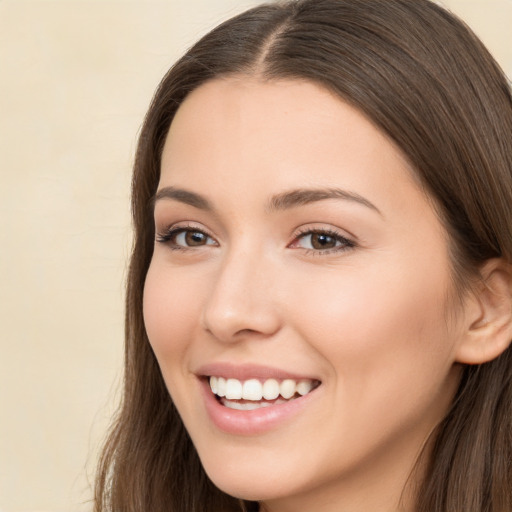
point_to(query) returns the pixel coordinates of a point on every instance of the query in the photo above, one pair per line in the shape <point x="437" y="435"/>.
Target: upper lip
<point x="248" y="371"/>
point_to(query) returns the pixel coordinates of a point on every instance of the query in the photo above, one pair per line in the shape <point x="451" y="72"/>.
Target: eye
<point x="322" y="241"/>
<point x="185" y="238"/>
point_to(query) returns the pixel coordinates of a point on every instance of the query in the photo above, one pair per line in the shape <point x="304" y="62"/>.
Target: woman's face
<point x="296" y="255"/>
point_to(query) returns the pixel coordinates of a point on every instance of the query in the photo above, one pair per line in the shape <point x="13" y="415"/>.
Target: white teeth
<point x="221" y="387"/>
<point x="303" y="387"/>
<point x="213" y="384"/>
<point x="270" y="389"/>
<point x="287" y="388"/>
<point x="233" y="389"/>
<point x="254" y="390"/>
<point x="250" y="406"/>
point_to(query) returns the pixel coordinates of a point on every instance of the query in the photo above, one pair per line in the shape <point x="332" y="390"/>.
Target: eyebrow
<point x="303" y="196"/>
<point x="183" y="196"/>
<point x="283" y="201"/>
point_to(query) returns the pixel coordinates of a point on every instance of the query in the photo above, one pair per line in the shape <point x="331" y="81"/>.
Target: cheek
<point x="385" y="335"/>
<point x="389" y="350"/>
<point x="170" y="310"/>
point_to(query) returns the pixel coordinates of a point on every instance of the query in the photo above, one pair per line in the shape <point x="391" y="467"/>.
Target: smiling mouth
<point x="253" y="393"/>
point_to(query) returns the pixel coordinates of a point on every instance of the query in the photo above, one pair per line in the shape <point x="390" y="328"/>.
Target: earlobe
<point x="489" y="329"/>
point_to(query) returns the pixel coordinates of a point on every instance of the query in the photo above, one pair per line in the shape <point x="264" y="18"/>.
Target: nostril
<point x="232" y="328"/>
<point x="239" y="306"/>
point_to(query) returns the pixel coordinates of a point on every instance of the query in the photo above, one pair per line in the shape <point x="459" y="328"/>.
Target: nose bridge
<point x="241" y="302"/>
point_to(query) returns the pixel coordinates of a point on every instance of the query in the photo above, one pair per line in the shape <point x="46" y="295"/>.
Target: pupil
<point x="319" y="241"/>
<point x="195" y="238"/>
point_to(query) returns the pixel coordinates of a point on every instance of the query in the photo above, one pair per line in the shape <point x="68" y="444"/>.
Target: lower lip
<point x="256" y="421"/>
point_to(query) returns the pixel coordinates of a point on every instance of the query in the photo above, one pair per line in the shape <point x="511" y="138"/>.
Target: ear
<point x="489" y="316"/>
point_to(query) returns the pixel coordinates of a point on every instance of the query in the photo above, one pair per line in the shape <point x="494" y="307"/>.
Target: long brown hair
<point x="423" y="78"/>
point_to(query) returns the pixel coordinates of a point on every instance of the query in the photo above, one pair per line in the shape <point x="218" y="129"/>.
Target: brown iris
<point x="195" y="238"/>
<point x="322" y="241"/>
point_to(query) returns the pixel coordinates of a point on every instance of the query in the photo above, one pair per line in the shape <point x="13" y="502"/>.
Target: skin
<point x="369" y="319"/>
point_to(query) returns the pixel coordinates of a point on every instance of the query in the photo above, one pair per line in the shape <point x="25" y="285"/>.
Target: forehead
<point x="277" y="110"/>
<point x="256" y="135"/>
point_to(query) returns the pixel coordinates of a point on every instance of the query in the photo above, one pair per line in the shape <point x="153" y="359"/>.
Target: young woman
<point x="319" y="299"/>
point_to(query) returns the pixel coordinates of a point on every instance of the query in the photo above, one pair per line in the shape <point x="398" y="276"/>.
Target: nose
<point x="242" y="300"/>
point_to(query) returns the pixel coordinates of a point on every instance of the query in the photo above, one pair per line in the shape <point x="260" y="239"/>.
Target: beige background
<point x="75" y="80"/>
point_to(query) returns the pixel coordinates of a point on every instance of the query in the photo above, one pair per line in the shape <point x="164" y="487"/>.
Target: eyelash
<point x="346" y="244"/>
<point x="172" y="232"/>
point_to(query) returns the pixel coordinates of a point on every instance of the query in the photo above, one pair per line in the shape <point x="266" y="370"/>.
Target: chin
<point x="250" y="491"/>
<point x="244" y="481"/>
